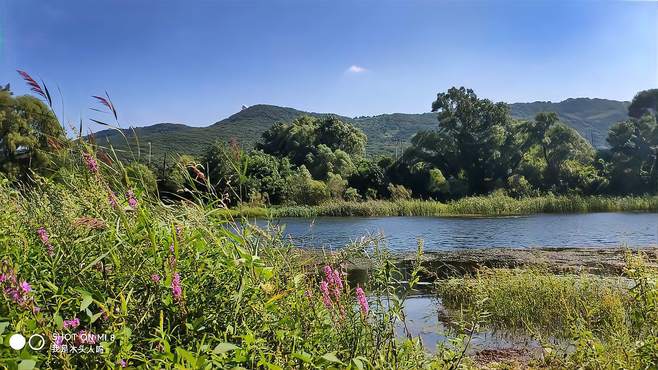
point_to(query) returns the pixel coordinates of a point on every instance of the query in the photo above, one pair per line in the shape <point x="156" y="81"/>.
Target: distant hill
<point x="386" y="132"/>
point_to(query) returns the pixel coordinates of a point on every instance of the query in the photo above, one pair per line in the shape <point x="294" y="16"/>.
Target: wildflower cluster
<point x="90" y="162"/>
<point x="45" y="239"/>
<point x="19" y="293"/>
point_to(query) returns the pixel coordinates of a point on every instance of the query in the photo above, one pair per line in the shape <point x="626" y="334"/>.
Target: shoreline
<point x="477" y="206"/>
<point x="562" y="260"/>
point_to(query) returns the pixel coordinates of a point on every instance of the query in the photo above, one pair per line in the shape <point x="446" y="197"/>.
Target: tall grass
<point x="175" y="286"/>
<point x="608" y="323"/>
<point x="492" y="205"/>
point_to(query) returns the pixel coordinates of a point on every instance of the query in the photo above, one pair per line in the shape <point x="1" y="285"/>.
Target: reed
<point x="492" y="205"/>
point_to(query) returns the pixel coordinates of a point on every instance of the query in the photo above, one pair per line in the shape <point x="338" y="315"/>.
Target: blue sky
<point x="196" y="62"/>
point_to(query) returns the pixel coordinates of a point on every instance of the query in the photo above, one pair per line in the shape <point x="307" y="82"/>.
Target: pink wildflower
<point x="45" y="239"/>
<point x="326" y="299"/>
<point x="132" y="201"/>
<point x="155" y="278"/>
<point x="112" y="199"/>
<point x="43" y="235"/>
<point x="338" y="284"/>
<point x="123" y="363"/>
<point x="90" y="162"/>
<point x="71" y="323"/>
<point x="363" y="302"/>
<point x="176" y="288"/>
<point x="328" y="275"/>
<point x="25" y="286"/>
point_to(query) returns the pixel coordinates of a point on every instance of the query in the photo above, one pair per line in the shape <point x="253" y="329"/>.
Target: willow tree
<point x="29" y="134"/>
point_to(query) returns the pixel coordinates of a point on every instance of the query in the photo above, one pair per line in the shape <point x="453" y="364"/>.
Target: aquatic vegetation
<point x="609" y="323"/>
<point x="491" y="205"/>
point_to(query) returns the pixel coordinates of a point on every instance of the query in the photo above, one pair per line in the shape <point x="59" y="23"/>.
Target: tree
<point x="476" y="144"/>
<point x="29" y="134"/>
<point x="557" y="158"/>
<point x="644" y="102"/>
<point x="633" y="148"/>
<point x="323" y="145"/>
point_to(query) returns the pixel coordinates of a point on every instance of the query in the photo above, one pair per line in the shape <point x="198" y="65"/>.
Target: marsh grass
<point x="492" y="205"/>
<point x="541" y="302"/>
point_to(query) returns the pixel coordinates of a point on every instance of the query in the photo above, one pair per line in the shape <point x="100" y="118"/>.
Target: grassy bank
<point x="494" y="205"/>
<point x="90" y="261"/>
<point x="609" y="323"/>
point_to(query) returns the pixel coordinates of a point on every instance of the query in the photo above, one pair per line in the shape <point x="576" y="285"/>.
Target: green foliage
<point x="30" y="134"/>
<point x="139" y="175"/>
<point x="633" y="145"/>
<point x="644" y="102"/>
<point x="387" y="134"/>
<point x="303" y="189"/>
<point x="323" y="145"/>
<point x="175" y="286"/>
<point x="609" y="323"/>
<point x="398" y="192"/>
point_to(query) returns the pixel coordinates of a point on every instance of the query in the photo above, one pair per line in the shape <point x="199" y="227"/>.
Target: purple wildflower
<point x="25" y="286"/>
<point x="45" y="239"/>
<point x="326" y="299"/>
<point x="59" y="341"/>
<point x="363" y="302"/>
<point x="71" y="323"/>
<point x="338" y="284"/>
<point x="132" y="202"/>
<point x="90" y="162"/>
<point x="112" y="199"/>
<point x="3" y="278"/>
<point x="171" y="248"/>
<point x="328" y="275"/>
<point x="123" y="363"/>
<point x="155" y="278"/>
<point x="176" y="288"/>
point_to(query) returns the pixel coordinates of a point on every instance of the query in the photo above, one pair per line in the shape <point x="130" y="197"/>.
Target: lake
<point x="449" y="233"/>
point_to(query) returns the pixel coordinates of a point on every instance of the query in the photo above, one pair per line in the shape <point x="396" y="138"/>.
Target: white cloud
<point x="356" y="69"/>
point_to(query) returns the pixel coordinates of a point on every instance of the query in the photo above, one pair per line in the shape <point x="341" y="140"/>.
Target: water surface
<point x="449" y="233"/>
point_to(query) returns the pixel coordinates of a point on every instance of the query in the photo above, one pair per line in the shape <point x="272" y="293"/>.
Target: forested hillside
<point x="387" y="133"/>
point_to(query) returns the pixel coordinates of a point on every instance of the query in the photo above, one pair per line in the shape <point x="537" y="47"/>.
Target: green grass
<point x="494" y="205"/>
<point x="175" y="286"/>
<point x="539" y="302"/>
<point x="608" y="323"/>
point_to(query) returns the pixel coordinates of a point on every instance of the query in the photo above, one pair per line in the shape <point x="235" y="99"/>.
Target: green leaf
<point x="27" y="365"/>
<point x="3" y="326"/>
<point x="331" y="357"/>
<point x="304" y="356"/>
<point x="86" y="301"/>
<point x="224" y="347"/>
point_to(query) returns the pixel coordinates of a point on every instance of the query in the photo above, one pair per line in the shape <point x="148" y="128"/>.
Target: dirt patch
<point x="602" y="261"/>
<point x="502" y="358"/>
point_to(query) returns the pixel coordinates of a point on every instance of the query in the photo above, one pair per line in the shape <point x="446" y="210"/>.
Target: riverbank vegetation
<point x="92" y="256"/>
<point x="498" y="204"/>
<point x="477" y="150"/>
<point x="582" y="321"/>
<point x="475" y="162"/>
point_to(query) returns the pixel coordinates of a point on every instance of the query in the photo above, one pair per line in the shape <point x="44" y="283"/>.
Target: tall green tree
<point x="323" y="145"/>
<point x="29" y="134"/>
<point x="634" y="148"/>
<point x="557" y="158"/>
<point x="644" y="102"/>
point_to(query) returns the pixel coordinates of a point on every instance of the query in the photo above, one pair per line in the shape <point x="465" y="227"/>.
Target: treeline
<point x="477" y="148"/>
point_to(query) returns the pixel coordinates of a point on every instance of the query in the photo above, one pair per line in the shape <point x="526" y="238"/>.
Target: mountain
<point x="387" y="133"/>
